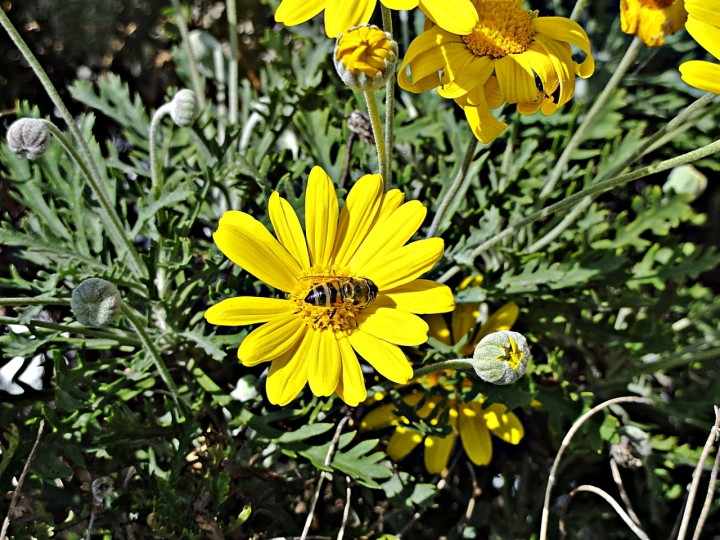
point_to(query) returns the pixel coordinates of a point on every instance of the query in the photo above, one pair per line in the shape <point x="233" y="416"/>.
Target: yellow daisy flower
<point x="498" y="62"/>
<point x="468" y="420"/>
<point x="652" y="20"/>
<point x="704" y="25"/>
<point x="456" y="16"/>
<point x="351" y="287"/>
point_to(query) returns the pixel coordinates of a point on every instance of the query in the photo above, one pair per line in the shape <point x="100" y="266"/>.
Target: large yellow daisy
<point x="312" y="334"/>
<point x="498" y="62"/>
<point x="456" y="16"/>
<point x="704" y="25"/>
<point x="468" y="420"/>
<point x="652" y="20"/>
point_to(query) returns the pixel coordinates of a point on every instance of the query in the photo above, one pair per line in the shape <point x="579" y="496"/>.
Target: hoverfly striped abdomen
<point x="335" y="292"/>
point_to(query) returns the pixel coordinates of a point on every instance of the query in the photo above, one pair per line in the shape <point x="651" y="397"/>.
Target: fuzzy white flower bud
<point x="29" y="137"/>
<point x="365" y="57"/>
<point x="184" y="108"/>
<point x="501" y="357"/>
<point x="96" y="302"/>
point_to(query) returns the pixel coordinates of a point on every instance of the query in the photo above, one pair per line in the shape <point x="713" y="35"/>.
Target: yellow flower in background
<point x="652" y="20"/>
<point x="468" y="420"/>
<point x="498" y="62"/>
<point x="703" y="24"/>
<point x="456" y="16"/>
<point x="351" y="287"/>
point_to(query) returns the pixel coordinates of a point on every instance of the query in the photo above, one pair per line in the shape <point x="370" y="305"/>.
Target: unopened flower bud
<point x="96" y="302"/>
<point x="501" y="357"/>
<point x="365" y="57"/>
<point x="184" y="108"/>
<point x="29" y="137"/>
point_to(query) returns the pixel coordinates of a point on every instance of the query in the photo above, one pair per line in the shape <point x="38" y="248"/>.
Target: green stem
<point x="577" y="10"/>
<point x="454" y="188"/>
<point x="234" y="53"/>
<point x="616" y="169"/>
<point x="96" y="182"/>
<point x="185" y="34"/>
<point x="36" y="301"/>
<point x="389" y="103"/>
<point x="597" y="188"/>
<point x="462" y="364"/>
<point x="115" y="228"/>
<point x="74" y="329"/>
<point x="149" y="345"/>
<point x="377" y="132"/>
<point x="155" y="167"/>
<point x="577" y="138"/>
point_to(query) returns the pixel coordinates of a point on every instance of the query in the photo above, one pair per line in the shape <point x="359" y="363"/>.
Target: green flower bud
<point x="501" y="357"/>
<point x="29" y="137"/>
<point x="686" y="180"/>
<point x="184" y="108"/>
<point x="365" y="57"/>
<point x="96" y="302"/>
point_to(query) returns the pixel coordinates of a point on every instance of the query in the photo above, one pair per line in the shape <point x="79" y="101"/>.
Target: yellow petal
<point x="419" y="296"/>
<point x="271" y="340"/>
<point x="247" y="243"/>
<point x="391" y="201"/>
<point x="704" y="11"/>
<point x="707" y="35"/>
<point x="357" y="216"/>
<point x="470" y="76"/>
<point x="321" y="216"/>
<point x="288" y="229"/>
<point x="455" y="16"/>
<point x="400" y="4"/>
<point x="385" y="357"/>
<point x="393" y="325"/>
<point x="324" y="364"/>
<point x="562" y="29"/>
<point x="482" y="122"/>
<point x="247" y="310"/>
<point x="425" y="58"/>
<point x="502" y="319"/>
<point x="702" y="75"/>
<point x="292" y="12"/>
<point x="516" y="79"/>
<point x="402" y="442"/>
<point x="438" y="328"/>
<point x="503" y="424"/>
<point x="388" y="235"/>
<point x="351" y="387"/>
<point x="437" y="450"/>
<point x="561" y="61"/>
<point x="405" y="264"/>
<point x="379" y="418"/>
<point x="493" y="95"/>
<point x="340" y="16"/>
<point x="463" y="319"/>
<point x="474" y="435"/>
<point x="288" y="373"/>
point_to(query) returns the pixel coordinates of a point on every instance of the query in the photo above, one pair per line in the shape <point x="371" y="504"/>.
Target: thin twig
<point x="566" y="441"/>
<point x="234" y="54"/>
<point x="592" y="489"/>
<point x="623" y="493"/>
<point x="346" y="510"/>
<point x="473" y="498"/>
<point x="328" y="459"/>
<point x="710" y="493"/>
<point x="692" y="491"/>
<point x="16" y="494"/>
<point x="185" y="34"/>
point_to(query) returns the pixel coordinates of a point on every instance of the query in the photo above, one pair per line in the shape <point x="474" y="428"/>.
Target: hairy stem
<point x="377" y="132"/>
<point x="74" y="329"/>
<point x="389" y="105"/>
<point x="231" y="9"/>
<point x="184" y="33"/>
<point x="155" y="167"/>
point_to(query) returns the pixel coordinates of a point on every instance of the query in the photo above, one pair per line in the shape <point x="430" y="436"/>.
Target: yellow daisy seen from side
<point x="703" y="24"/>
<point x="469" y="421"/>
<point x="457" y="16"/>
<point x="498" y="62"/>
<point x="652" y="20"/>
<point x="313" y="334"/>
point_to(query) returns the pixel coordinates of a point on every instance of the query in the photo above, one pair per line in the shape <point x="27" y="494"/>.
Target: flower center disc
<point x="504" y="28"/>
<point x="657" y="4"/>
<point x="336" y="316"/>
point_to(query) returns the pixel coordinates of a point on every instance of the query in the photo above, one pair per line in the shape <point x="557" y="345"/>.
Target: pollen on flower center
<point x="656" y="4"/>
<point x="331" y="309"/>
<point x="504" y="28"/>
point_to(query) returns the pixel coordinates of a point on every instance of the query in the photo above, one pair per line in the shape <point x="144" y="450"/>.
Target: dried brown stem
<point x="623" y="493"/>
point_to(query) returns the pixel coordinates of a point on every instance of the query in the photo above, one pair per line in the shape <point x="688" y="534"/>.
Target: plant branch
<point x="377" y="133"/>
<point x="623" y="493"/>
<point x="233" y="68"/>
<point x="710" y="492"/>
<point x="185" y="34"/>
<point x="36" y="301"/>
<point x="346" y="510"/>
<point x="84" y="330"/>
<point x="389" y="104"/>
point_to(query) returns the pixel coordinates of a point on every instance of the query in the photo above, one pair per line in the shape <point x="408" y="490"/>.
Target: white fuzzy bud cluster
<point x="96" y="302"/>
<point x="29" y="137"/>
<point x="184" y="108"/>
<point x="501" y="357"/>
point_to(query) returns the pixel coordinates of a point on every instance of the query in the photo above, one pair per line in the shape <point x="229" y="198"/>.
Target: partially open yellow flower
<point x="498" y="62"/>
<point x="457" y="16"/>
<point x="351" y="287"/>
<point x="468" y="420"/>
<point x="365" y="57"/>
<point x="703" y="25"/>
<point x="652" y="20"/>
